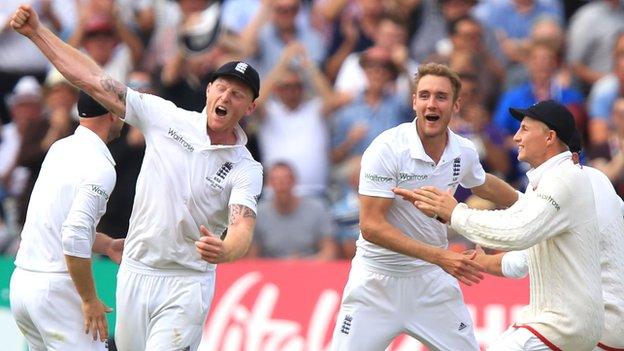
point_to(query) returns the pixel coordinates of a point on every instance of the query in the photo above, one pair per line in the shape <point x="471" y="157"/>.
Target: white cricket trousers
<point x="378" y="305"/>
<point x="48" y="311"/>
<point x="518" y="339"/>
<point x="160" y="310"/>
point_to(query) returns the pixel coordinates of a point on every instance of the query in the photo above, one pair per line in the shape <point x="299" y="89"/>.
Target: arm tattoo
<point x="112" y="86"/>
<point x="237" y="211"/>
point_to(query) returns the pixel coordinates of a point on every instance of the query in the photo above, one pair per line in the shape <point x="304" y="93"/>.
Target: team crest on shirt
<point x="218" y="178"/>
<point x="456" y="171"/>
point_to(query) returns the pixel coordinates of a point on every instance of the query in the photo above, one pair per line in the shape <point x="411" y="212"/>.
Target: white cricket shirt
<point x="184" y="182"/>
<point x="396" y="158"/>
<point x="69" y="198"/>
<point x="557" y="222"/>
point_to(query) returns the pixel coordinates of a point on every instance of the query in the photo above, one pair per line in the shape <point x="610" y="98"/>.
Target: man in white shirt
<point x="610" y="212"/>
<point x="53" y="297"/>
<point x="557" y="222"/>
<point x="197" y="182"/>
<point x="398" y="281"/>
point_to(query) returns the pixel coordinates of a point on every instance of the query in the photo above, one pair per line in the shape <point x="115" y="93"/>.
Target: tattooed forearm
<point x="113" y="86"/>
<point x="237" y="211"/>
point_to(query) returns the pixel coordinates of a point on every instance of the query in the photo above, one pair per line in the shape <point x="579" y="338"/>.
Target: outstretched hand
<point x="25" y="20"/>
<point x="461" y="266"/>
<point x="210" y="246"/>
<point x="115" y="250"/>
<point x="430" y="199"/>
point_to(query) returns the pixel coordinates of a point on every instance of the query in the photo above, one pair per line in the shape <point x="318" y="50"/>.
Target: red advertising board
<point x="291" y="306"/>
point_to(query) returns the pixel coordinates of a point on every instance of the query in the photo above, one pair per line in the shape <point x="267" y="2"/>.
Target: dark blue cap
<point x="88" y="107"/>
<point x="242" y="71"/>
<point x="556" y="116"/>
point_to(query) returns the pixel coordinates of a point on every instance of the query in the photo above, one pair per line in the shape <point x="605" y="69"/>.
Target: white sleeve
<point x="474" y="175"/>
<point x="247" y="187"/>
<point x="146" y="111"/>
<point x="515" y="265"/>
<point x="535" y="217"/>
<point x="378" y="174"/>
<point x="88" y="206"/>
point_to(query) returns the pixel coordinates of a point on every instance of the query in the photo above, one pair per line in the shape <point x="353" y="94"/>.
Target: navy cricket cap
<point x="575" y="144"/>
<point x="242" y="71"/>
<point x="556" y="116"/>
<point x="88" y="107"/>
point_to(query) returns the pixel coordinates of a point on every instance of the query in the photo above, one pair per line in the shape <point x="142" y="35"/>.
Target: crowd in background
<point x="334" y="74"/>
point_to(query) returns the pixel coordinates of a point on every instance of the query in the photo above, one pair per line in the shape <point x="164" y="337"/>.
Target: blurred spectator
<point x="346" y="209"/>
<point x="139" y="16"/>
<point x="473" y="122"/>
<point x="609" y="156"/>
<point x="545" y="29"/>
<point x="106" y="39"/>
<point x="542" y="65"/>
<point x="432" y="36"/>
<point x="289" y="226"/>
<point x="353" y="29"/>
<point x="391" y="35"/>
<point x="466" y="36"/>
<point x="31" y="125"/>
<point x="293" y="126"/>
<point x="18" y="56"/>
<point x="603" y="94"/>
<point x="513" y="19"/>
<point x="591" y="35"/>
<point x="194" y="47"/>
<point x="273" y="28"/>
<point x="60" y="98"/>
<point x="372" y="111"/>
<point x="127" y="151"/>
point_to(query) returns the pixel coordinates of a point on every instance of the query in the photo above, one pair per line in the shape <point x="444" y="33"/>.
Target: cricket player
<point x="52" y="292"/>
<point x="403" y="279"/>
<point x="197" y="182"/>
<point x="610" y="212"/>
<point x="556" y="221"/>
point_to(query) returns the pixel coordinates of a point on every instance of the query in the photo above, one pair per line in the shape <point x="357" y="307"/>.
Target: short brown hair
<point x="438" y="69"/>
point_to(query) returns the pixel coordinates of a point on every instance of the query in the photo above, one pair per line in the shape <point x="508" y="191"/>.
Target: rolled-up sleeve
<point x="88" y="206"/>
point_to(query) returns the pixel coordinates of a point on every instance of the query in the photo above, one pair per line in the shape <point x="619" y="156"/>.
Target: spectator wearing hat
<point x="556" y="221"/>
<point x="106" y="39"/>
<point x="372" y="111"/>
<point x="27" y="129"/>
<point x="52" y="288"/>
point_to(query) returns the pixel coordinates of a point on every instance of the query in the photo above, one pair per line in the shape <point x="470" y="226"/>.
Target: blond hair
<point x="438" y="69"/>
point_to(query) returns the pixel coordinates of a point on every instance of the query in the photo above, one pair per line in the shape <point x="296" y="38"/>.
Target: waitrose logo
<point x="96" y="189"/>
<point x="377" y="178"/>
<point x="177" y="137"/>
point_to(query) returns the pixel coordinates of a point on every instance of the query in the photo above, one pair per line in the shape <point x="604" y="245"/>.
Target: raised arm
<point x="74" y="65"/>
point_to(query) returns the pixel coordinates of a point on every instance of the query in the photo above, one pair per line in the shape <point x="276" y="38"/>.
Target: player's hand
<point x="25" y="20"/>
<point x="461" y="266"/>
<point x="210" y="247"/>
<point x="95" y="323"/>
<point x="410" y="196"/>
<point x="115" y="250"/>
<point x="430" y="199"/>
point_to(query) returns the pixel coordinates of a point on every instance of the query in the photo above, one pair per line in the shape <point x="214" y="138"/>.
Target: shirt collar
<point x="417" y="151"/>
<point x="95" y="140"/>
<point x="535" y="174"/>
<point x="241" y="139"/>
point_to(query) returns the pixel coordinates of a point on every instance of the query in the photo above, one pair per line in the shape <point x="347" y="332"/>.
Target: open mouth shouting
<point x="432" y="117"/>
<point x="221" y="111"/>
